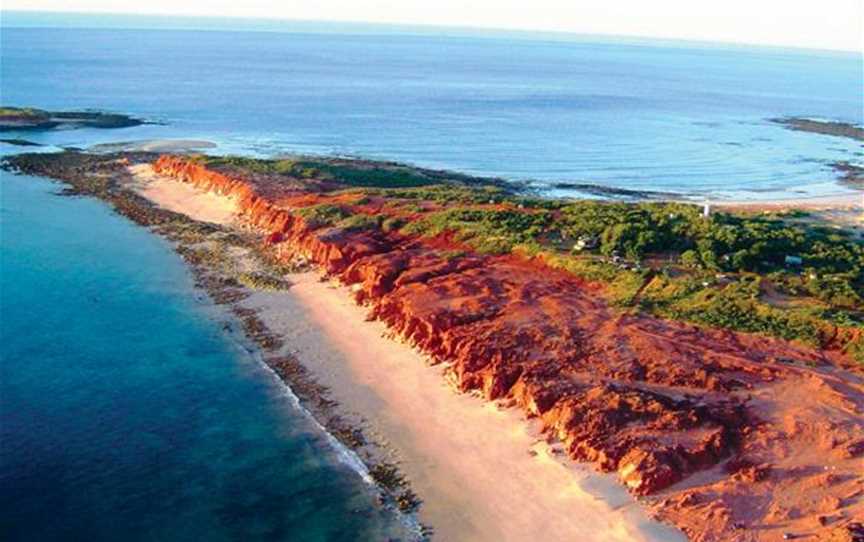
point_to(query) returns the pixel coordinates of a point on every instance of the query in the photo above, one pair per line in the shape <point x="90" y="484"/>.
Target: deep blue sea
<point x="126" y="413"/>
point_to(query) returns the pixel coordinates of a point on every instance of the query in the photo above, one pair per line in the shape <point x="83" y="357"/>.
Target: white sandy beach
<point x="482" y="472"/>
<point x="182" y="197"/>
<point x="849" y="201"/>
<point x="154" y="145"/>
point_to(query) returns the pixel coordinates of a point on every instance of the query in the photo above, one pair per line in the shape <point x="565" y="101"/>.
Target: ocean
<point x="126" y="411"/>
<point x="634" y="114"/>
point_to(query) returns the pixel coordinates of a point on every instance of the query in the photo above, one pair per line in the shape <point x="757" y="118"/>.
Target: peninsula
<point x="714" y="364"/>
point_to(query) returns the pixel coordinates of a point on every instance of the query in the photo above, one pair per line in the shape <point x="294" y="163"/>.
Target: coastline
<point x="454" y="468"/>
<point x="344" y="452"/>
<point x="849" y="201"/>
<point x="405" y="411"/>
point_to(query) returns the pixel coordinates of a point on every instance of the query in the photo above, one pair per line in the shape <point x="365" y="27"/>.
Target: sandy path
<point x="473" y="465"/>
<point x="852" y="200"/>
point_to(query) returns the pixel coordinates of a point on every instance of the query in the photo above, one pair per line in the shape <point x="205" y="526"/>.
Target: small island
<point x="32" y="119"/>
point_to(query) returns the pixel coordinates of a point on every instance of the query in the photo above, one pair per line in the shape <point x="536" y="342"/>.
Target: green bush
<point x="690" y="258"/>
<point x="323" y="214"/>
<point x="836" y="290"/>
<point x="490" y="231"/>
<point x="360" y="222"/>
<point x="735" y="306"/>
<point x="393" y="223"/>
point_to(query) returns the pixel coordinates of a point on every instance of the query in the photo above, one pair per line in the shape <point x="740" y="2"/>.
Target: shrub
<point x="690" y="258"/>
<point x="836" y="290"/>
<point x="323" y="214"/>
<point x="360" y="222"/>
<point x="393" y="223"/>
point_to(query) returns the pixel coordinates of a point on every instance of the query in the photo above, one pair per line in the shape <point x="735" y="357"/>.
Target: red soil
<point x="737" y="436"/>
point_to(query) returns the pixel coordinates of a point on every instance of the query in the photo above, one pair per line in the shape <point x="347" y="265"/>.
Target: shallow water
<point x="630" y="114"/>
<point x="126" y="413"/>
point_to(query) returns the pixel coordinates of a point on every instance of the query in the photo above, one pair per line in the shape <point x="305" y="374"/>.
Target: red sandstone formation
<point x="739" y="437"/>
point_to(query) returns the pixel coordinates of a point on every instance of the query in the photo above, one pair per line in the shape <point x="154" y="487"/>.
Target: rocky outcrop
<point x="650" y="399"/>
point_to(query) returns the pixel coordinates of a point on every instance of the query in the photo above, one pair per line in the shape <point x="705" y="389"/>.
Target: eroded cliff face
<point x="773" y="429"/>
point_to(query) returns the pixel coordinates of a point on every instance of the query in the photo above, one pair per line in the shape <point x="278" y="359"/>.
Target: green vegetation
<point x="669" y="260"/>
<point x="678" y="232"/>
<point x="360" y="222"/>
<point x="622" y="284"/>
<point x="780" y="274"/>
<point x="736" y="305"/>
<point x="372" y="176"/>
<point x="324" y="214"/>
<point x="489" y="231"/>
<point x="367" y="174"/>
<point x="445" y="194"/>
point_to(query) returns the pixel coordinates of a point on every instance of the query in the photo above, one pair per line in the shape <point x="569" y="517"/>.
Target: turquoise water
<point x="126" y="413"/>
<point x="646" y="115"/>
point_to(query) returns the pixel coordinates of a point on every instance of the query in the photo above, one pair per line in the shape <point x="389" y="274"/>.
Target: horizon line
<point x="427" y="28"/>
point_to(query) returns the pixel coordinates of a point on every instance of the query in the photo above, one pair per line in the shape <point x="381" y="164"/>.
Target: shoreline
<point x="850" y="201"/>
<point x="346" y="364"/>
<point x="452" y="468"/>
<point x="852" y="197"/>
<point x="344" y="453"/>
<point x="158" y="216"/>
<point x="365" y="377"/>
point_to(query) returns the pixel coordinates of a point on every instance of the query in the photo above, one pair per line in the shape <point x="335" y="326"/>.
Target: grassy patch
<point x="369" y="174"/>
